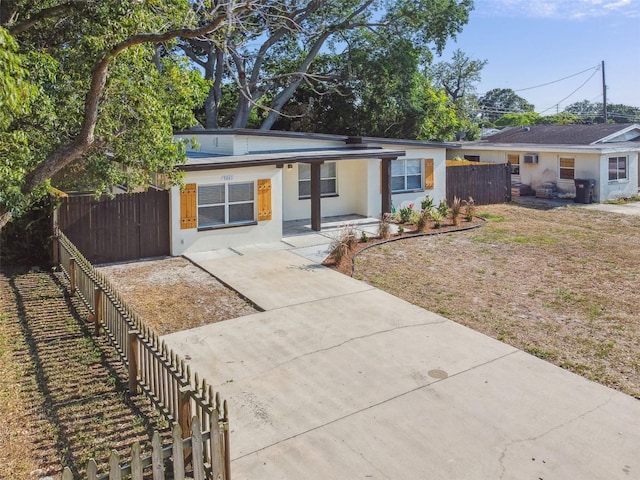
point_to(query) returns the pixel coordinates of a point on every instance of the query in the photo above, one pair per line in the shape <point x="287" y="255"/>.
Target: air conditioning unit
<point x="531" y="158"/>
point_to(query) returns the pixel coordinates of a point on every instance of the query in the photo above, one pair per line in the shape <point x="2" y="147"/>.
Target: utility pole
<point x="604" y="95"/>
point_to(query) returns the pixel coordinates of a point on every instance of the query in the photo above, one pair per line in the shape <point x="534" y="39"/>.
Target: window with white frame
<point x="406" y="175"/>
<point x="513" y="159"/>
<point x="617" y="168"/>
<point x="226" y="204"/>
<point x="328" y="180"/>
<point x="567" y="168"/>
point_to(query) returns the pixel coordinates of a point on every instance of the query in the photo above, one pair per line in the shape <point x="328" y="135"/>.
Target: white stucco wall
<point x="249" y="144"/>
<point x="351" y="186"/>
<point x="219" y="144"/>
<point x="588" y="165"/>
<point x="192" y="240"/>
<point x="610" y="190"/>
<point x="438" y="193"/>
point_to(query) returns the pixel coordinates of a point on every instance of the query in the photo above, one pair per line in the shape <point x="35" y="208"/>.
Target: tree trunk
<point x="285" y="95"/>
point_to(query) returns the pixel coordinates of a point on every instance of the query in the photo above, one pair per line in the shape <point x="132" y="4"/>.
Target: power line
<point x="583" y="84"/>
<point x="597" y="67"/>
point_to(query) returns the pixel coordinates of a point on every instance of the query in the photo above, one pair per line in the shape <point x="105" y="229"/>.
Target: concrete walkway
<point x="339" y="380"/>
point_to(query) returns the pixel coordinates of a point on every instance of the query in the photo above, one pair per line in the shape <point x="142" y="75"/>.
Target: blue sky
<point x="533" y="42"/>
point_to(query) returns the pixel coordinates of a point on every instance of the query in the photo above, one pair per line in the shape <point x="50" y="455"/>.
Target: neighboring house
<point x="540" y="155"/>
<point x="241" y="185"/>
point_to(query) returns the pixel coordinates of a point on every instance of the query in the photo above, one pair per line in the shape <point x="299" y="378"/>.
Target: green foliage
<point x="589" y="112"/>
<point x="443" y="208"/>
<point x="518" y="119"/>
<point x="50" y="65"/>
<point x="405" y="214"/>
<point x="427" y="203"/>
<point x="562" y="118"/>
<point x="27" y="240"/>
<point x="499" y="101"/>
<point x="437" y="218"/>
<point x="368" y="82"/>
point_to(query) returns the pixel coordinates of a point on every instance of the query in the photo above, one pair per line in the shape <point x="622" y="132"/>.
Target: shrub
<point x="427" y="203"/>
<point x="364" y="238"/>
<point x="343" y="243"/>
<point x="469" y="209"/>
<point x="423" y="217"/>
<point x="405" y="214"/>
<point x="437" y="217"/>
<point x="455" y="210"/>
<point x="384" y="227"/>
<point x="443" y="208"/>
<point x="400" y="229"/>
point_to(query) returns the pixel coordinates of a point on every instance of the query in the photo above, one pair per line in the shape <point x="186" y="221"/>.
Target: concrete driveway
<point x="339" y="380"/>
<point x="632" y="208"/>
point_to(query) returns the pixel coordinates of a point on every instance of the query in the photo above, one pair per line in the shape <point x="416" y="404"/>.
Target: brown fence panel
<point x="126" y="227"/>
<point x="486" y="184"/>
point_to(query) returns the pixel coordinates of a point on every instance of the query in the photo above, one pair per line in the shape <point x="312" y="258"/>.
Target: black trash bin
<point x="584" y="190"/>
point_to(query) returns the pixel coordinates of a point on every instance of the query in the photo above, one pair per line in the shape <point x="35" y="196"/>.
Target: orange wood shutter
<point x="429" y="183"/>
<point x="264" y="200"/>
<point x="188" y="207"/>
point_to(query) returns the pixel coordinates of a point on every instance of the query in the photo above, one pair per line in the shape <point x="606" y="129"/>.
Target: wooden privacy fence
<point x="126" y="227"/>
<point x="485" y="183"/>
<point x="153" y="368"/>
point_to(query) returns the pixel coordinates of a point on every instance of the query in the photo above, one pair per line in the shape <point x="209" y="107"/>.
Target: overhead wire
<point x="582" y="85"/>
<point x="597" y="67"/>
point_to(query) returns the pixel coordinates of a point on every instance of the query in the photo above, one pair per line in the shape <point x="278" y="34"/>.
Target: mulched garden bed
<point x="345" y="265"/>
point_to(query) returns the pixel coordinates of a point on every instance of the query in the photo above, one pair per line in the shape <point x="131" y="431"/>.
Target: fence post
<point x="184" y="410"/>
<point x="55" y="246"/>
<point x="72" y="274"/>
<point x="97" y="306"/>
<point x="227" y="453"/>
<point x="133" y="362"/>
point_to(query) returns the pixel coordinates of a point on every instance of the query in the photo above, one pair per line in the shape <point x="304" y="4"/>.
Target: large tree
<point x="590" y="112"/>
<point x="400" y="103"/>
<point x="274" y="52"/>
<point x="459" y="76"/>
<point x="500" y="101"/>
<point x="97" y="98"/>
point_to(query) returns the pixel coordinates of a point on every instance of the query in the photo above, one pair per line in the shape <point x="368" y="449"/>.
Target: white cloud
<point x="567" y="9"/>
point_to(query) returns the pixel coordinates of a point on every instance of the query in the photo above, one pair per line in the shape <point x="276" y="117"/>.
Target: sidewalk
<point x="337" y="379"/>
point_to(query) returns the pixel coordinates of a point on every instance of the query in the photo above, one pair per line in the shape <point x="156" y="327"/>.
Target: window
<point x="567" y="168"/>
<point x="514" y="162"/>
<point x="225" y="204"/>
<point x="472" y="158"/>
<point x="617" y="168"/>
<point x="328" y="180"/>
<point x="406" y="175"/>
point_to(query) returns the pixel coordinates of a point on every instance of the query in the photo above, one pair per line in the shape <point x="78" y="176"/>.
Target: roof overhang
<point x="536" y="147"/>
<point x="247" y="132"/>
<point x="201" y="161"/>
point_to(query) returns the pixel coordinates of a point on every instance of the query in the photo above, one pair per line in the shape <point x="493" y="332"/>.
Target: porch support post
<point x="385" y="183"/>
<point x="316" y="214"/>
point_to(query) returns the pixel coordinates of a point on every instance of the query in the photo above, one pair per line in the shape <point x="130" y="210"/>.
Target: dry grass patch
<point x="561" y="284"/>
<point x="173" y="294"/>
